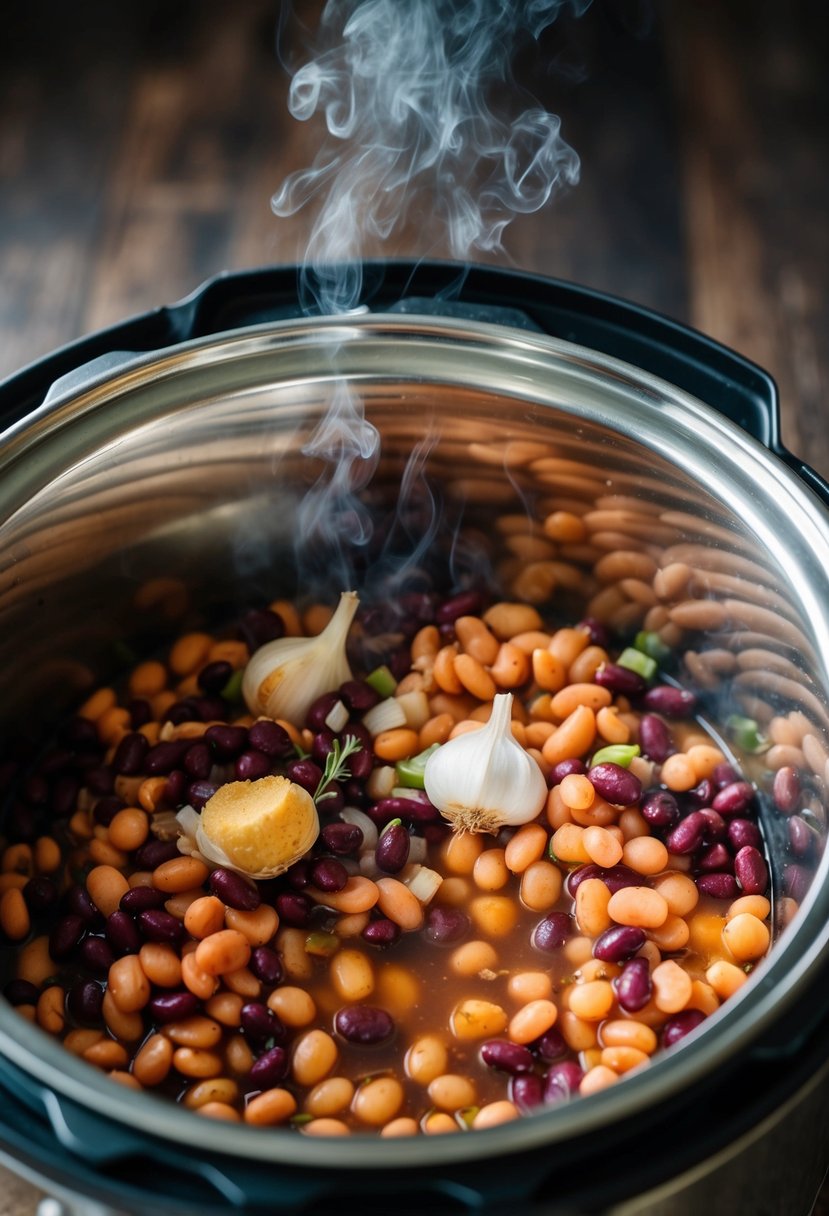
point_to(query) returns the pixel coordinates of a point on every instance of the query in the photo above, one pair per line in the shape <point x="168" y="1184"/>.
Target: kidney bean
<point x="305" y="773"/>
<point x="41" y="894"/>
<point x="357" y="696"/>
<point x="84" y="1002"/>
<point x="322" y="745"/>
<point x="655" y="738"/>
<point x="299" y="875"/>
<point x="252" y="765"/>
<point x="550" y="1046"/>
<point x="66" y="937"/>
<point x="796" y="880"/>
<point x="599" y="632"/>
<point x="97" y="954"/>
<point x="392" y="851"/>
<point x="199" y="792"/>
<point x="506" y="1056"/>
<point x="751" y="871"/>
<point x="328" y="874"/>
<point x="733" y="798"/>
<point x="294" y="909"/>
<point x="226" y="741"/>
<point x="615" y="784"/>
<point x="633" y="987"/>
<point x="266" y="965"/>
<point x="551" y="932"/>
<point x="670" y="701"/>
<point x="21" y="992"/>
<point x="173" y="1006"/>
<point x="140" y="712"/>
<point x="342" y="838"/>
<point x="687" y="836"/>
<point x="160" y="926"/>
<point x="214" y="676"/>
<point x="742" y="832"/>
<point x="174" y="787"/>
<point x="107" y="808"/>
<point x="786" y="789"/>
<point x="139" y="899"/>
<point x="527" y="1091"/>
<point x="130" y="753"/>
<point x="64" y="796"/>
<point x="465" y="603"/>
<point x="78" y="901"/>
<point x="566" y="768"/>
<point x="618" y="943"/>
<point x="681" y="1024"/>
<point x="702" y="794"/>
<point x="715" y="827"/>
<point x="614" y="877"/>
<point x="260" y="625"/>
<point x="154" y="853"/>
<point x="122" y="934"/>
<point x="198" y="760"/>
<point x="162" y="758"/>
<point x="269" y="738"/>
<point x="381" y="932"/>
<point x="260" y="1023"/>
<point x="801" y="836"/>
<point x="360" y="763"/>
<point x="715" y="857"/>
<point x="270" y="1069"/>
<point x="233" y="890"/>
<point x="364" y="1024"/>
<point x="562" y="1080"/>
<point x="724" y="774"/>
<point x="620" y="679"/>
<point x="660" y="808"/>
<point x="721" y="886"/>
<point x="410" y="810"/>
<point x="445" y="926"/>
<point x="320" y="709"/>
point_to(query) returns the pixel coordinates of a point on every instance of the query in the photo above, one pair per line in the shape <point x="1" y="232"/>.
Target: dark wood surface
<point x="140" y="143"/>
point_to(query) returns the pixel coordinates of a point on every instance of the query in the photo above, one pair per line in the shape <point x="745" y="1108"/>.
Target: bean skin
<point x="364" y="1024"/>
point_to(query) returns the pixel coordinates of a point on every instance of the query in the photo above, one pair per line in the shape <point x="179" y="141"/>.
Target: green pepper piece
<point x="410" y="773"/>
<point x="651" y="644"/>
<point x="616" y="753"/>
<point x="382" y="681"/>
<point x="747" y="734"/>
<point x="636" y="661"/>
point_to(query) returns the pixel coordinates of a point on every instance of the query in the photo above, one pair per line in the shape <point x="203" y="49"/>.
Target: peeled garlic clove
<point x="258" y="828"/>
<point x="484" y="780"/>
<point x="285" y="677"/>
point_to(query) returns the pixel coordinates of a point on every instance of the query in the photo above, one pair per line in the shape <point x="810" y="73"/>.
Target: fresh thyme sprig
<point x="336" y="768"/>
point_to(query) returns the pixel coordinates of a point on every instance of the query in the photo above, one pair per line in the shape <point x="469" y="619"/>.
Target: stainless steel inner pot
<point x="167" y="490"/>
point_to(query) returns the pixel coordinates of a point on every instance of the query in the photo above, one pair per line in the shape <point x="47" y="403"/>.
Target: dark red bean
<point x="550" y="1046"/>
<point x="198" y="760"/>
<point x="260" y="1023"/>
<point x="299" y="875"/>
<point x="139" y="899"/>
<point x="320" y="709"/>
<point x="742" y="832"/>
<point x="157" y="925"/>
<point x="618" y="943"/>
<point x="751" y="870"/>
<point x="322" y="745"/>
<point x="163" y="757"/>
<point x="328" y="874"/>
<point x="251" y="765"/>
<point x="633" y="987"/>
<point x="97" y="955"/>
<point x="801" y="836"/>
<point x="715" y="857"/>
<point x="129" y="754"/>
<point x="199" y="792"/>
<point x="234" y="890"/>
<point x="260" y="625"/>
<point x="270" y="1069"/>
<point x="392" y="851"/>
<point x="660" y="808"/>
<point x="154" y="853"/>
<point x="445" y="926"/>
<point x="681" y="1024"/>
<point x="687" y="836"/>
<point x="411" y="810"/>
<point x="670" y="701"/>
<point x="465" y="603"/>
<point x="66" y="937"/>
<point x="724" y="774"/>
<point x="173" y="1006"/>
<point x="620" y="680"/>
<point x="614" y="877"/>
<point x="266" y="965"/>
<point x="786" y="789"/>
<point x="79" y="902"/>
<point x="655" y="738"/>
<point x="566" y="768"/>
<point x="140" y="712"/>
<point x="270" y="738"/>
<point x="181" y="711"/>
<point x="294" y="909"/>
<point x="598" y="631"/>
<point x="122" y="934"/>
<point x="715" y="826"/>
<point x="175" y="787"/>
<point x="214" y="676"/>
<point x="733" y="798"/>
<point x="226" y="741"/>
<point x="360" y="763"/>
<point x="305" y="773"/>
<point x="84" y="1002"/>
<point x="364" y="1024"/>
<point x="41" y="894"/>
<point x="615" y="784"/>
<point x="562" y="1080"/>
<point x="527" y="1091"/>
<point x="506" y="1056"/>
<point x="107" y="808"/>
<point x="342" y="838"/>
<point x="357" y="696"/>
<point x="551" y="932"/>
<point x="701" y="795"/>
<point x="21" y="992"/>
<point x="721" y="886"/>
<point x="100" y="780"/>
<point x="381" y="932"/>
<point x="796" y="880"/>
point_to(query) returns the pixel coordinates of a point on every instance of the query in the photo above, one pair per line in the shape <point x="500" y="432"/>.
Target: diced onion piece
<point x="424" y="883"/>
<point x="385" y="715"/>
<point x="381" y="782"/>
<point x="351" y="814"/>
<point x="418" y="849"/>
<point x="415" y="706"/>
<point x="337" y="717"/>
<point x="368" y="865"/>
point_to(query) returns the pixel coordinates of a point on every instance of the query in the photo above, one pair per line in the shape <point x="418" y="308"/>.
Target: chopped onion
<point x="415" y="706"/>
<point x="351" y="814"/>
<point x="385" y="715"/>
<point x="381" y="782"/>
<point x="337" y="717"/>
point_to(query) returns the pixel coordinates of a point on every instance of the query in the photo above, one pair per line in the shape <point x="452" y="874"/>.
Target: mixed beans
<point x="550" y="961"/>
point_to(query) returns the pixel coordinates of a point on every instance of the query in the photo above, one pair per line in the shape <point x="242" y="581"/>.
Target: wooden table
<point x="140" y="143"/>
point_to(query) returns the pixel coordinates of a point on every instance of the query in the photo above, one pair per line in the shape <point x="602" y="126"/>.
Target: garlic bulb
<point x="258" y="828"/>
<point x="483" y="781"/>
<point x="285" y="677"/>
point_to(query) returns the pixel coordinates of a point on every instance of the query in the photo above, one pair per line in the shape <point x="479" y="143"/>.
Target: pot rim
<point x="770" y="992"/>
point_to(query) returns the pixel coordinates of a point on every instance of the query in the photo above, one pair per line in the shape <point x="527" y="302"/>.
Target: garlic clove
<point x="258" y="828"/>
<point x="483" y="781"/>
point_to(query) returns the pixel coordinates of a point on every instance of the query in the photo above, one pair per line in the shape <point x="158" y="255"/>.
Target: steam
<point x="407" y="89"/>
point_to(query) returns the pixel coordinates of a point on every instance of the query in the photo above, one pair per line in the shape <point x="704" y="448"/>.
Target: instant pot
<point x="152" y="478"/>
